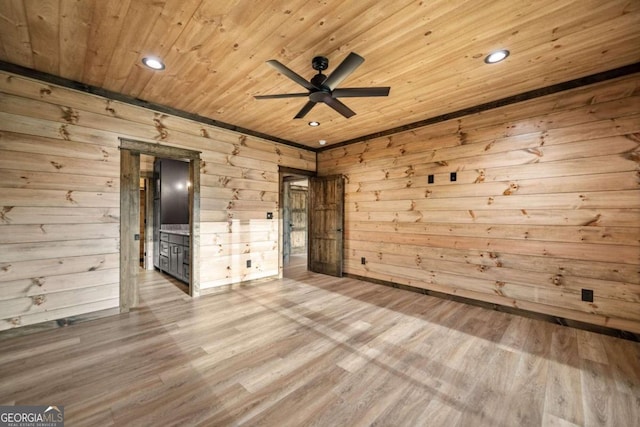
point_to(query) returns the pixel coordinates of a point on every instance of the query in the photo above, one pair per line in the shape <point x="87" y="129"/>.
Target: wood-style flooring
<point x="320" y="351"/>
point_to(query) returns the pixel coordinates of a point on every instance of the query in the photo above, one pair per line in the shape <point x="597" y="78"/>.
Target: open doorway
<point x="295" y="220"/>
<point x="294" y="196"/>
<point x="131" y="218"/>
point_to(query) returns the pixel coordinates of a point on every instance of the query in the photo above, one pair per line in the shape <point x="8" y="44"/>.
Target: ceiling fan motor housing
<point x="320" y="63"/>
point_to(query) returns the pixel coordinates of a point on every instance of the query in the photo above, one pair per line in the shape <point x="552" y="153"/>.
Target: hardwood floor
<point x="316" y="350"/>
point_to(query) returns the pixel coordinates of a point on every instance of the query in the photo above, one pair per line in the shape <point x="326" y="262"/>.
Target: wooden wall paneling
<point x="482" y="259"/>
<point x="29" y="269"/>
<point x="42" y="250"/>
<point x="545" y="204"/>
<point x="60" y="166"/>
<point x="53" y="215"/>
<point x="44" y="285"/>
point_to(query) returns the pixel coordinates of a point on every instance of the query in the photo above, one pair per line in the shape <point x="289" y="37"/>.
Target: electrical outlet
<point x="248" y="263"/>
<point x="363" y="260"/>
<point x="269" y="215"/>
<point x="430" y="179"/>
<point x="587" y="295"/>
<point x="453" y="176"/>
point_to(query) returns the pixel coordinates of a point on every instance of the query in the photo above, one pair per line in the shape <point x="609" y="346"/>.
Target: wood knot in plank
<point x="15" y="321"/>
<point x="163" y="132"/>
<point x="480" y="177"/>
<point x="69" y="197"/>
<point x="69" y="115"/>
<point x="45" y="91"/>
<point x="498" y="289"/>
<point x="513" y="187"/>
<point x="472" y="214"/>
<point x="490" y="201"/>
<point x="204" y="133"/>
<point x="37" y="281"/>
<point x="558" y="280"/>
<point x="594" y="222"/>
<point x="3" y="214"/>
<point x="5" y="267"/>
<point x="443" y="163"/>
<point x="536" y="151"/>
<point x="110" y="109"/>
<point x="64" y="133"/>
<point x="410" y="171"/>
<point x="236" y="150"/>
<point x="634" y="156"/>
<point x="38" y="299"/>
<point x="243" y="140"/>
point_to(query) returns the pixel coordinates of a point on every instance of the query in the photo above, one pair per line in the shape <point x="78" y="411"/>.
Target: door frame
<point x="130" y="151"/>
<point x="298" y="174"/>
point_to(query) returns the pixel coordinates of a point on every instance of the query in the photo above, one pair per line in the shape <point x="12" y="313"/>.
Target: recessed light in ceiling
<point x="314" y="124"/>
<point x="322" y="142"/>
<point x="153" y="63"/>
<point x="496" y="56"/>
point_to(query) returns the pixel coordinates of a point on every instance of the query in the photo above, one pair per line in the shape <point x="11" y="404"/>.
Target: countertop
<point x="180" y="232"/>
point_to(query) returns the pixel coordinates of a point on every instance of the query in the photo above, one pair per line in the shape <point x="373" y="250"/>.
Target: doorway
<point x="294" y="202"/>
<point x="295" y="221"/>
<point x="130" y="153"/>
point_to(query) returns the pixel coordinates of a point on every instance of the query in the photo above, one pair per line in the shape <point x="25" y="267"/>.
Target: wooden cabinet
<point x="174" y="255"/>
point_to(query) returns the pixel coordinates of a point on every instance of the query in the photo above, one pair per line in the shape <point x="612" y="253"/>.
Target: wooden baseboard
<point x="618" y="333"/>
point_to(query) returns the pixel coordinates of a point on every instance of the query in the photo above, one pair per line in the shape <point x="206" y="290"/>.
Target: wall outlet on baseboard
<point x="363" y="260"/>
<point x="248" y="263"/>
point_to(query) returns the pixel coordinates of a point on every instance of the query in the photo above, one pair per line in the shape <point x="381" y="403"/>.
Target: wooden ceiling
<point x="430" y="52"/>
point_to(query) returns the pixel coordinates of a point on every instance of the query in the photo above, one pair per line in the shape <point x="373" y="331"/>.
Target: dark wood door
<point x="326" y="218"/>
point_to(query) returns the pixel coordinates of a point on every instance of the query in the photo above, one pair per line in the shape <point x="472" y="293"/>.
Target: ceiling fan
<point x="322" y="88"/>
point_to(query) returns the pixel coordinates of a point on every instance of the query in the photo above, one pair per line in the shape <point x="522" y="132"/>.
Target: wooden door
<point x="326" y="218"/>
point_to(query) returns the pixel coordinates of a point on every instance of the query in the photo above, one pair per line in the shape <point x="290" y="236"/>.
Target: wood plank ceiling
<point x="430" y="52"/>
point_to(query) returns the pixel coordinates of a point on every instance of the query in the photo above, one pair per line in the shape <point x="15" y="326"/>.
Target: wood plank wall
<point x="546" y="203"/>
<point x="59" y="198"/>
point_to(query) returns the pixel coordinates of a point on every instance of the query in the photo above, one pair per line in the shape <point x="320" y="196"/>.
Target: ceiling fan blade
<point x="307" y="107"/>
<point x="339" y="107"/>
<point x="346" y="67"/>
<point x="282" y="95"/>
<point x="291" y="74"/>
<point x="354" y="92"/>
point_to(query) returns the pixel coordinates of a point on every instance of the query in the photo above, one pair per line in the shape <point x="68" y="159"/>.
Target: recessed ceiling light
<point x="314" y="124"/>
<point x="153" y="63"/>
<point x="322" y="142"/>
<point x="496" y="56"/>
